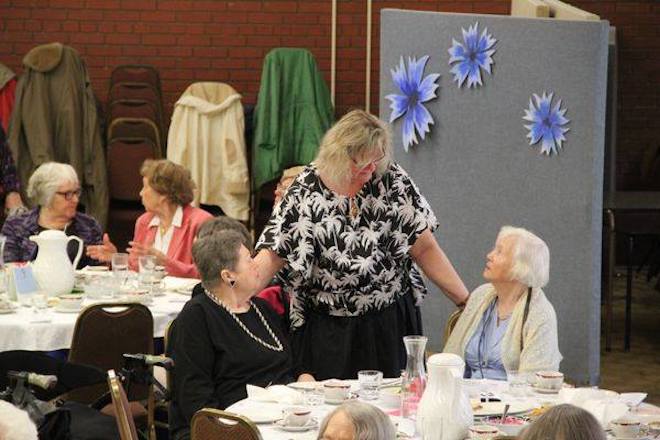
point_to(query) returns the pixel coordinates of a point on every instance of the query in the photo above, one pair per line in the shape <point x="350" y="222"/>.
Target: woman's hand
<point x="306" y="377"/>
<point x="137" y="249"/>
<point x="102" y="252"/>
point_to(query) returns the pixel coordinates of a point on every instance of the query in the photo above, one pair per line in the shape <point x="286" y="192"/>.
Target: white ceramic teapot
<point x="52" y="267"/>
<point x="444" y="413"/>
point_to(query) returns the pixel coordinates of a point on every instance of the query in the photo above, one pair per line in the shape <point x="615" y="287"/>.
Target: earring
<point x="232" y="283"/>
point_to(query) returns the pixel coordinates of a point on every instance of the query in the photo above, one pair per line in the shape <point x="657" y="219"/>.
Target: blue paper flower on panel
<point x="547" y="123"/>
<point x="416" y="90"/>
<point x="473" y="56"/>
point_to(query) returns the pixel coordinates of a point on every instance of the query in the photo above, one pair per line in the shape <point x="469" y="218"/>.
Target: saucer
<point x="303" y="386"/>
<point x="311" y="424"/>
<point x="65" y="310"/>
<point x="4" y="311"/>
<point x="541" y="390"/>
<point x="336" y="401"/>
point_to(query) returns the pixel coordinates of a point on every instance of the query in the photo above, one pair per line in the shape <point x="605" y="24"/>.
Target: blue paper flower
<point x="416" y="91"/>
<point x="475" y="54"/>
<point x="547" y="123"/>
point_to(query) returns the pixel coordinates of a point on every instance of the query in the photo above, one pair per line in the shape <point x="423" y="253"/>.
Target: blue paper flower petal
<point x="416" y="90"/>
<point x="547" y="123"/>
<point x="472" y="56"/>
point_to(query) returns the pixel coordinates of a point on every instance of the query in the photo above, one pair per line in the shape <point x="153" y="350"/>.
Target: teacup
<point x="550" y="380"/>
<point x="296" y="416"/>
<point x="336" y="390"/>
<point x="70" y="301"/>
<point x="483" y="432"/>
<point x="626" y="427"/>
<point x="138" y="295"/>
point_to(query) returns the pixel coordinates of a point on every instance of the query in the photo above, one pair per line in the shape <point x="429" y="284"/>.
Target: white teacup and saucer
<point x="336" y="391"/>
<point x="296" y="419"/>
<point x="627" y="428"/>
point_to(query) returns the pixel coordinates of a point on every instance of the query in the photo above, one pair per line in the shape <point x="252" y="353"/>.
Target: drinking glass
<point x="314" y="396"/>
<point x="370" y="382"/>
<point x="517" y="383"/>
<point x="120" y="268"/>
<point x="147" y="267"/>
<point x="39" y="301"/>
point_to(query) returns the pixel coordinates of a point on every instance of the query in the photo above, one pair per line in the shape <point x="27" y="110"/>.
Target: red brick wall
<point x="226" y="40"/>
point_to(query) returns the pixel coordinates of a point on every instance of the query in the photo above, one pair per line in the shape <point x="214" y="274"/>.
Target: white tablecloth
<point x="645" y="412"/>
<point x="51" y="330"/>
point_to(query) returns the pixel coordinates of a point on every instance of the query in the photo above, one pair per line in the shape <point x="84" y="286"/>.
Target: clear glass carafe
<point x="413" y="380"/>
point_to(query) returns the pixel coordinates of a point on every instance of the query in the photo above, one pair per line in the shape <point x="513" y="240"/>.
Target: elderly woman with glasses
<point x="55" y="189"/>
<point x="350" y="234"/>
<point x="508" y="323"/>
<point x="168" y="228"/>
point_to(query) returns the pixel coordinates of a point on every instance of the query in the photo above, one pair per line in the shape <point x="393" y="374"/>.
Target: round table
<point x="49" y="330"/>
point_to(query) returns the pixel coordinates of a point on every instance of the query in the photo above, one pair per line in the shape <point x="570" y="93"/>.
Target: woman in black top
<point x="225" y="339"/>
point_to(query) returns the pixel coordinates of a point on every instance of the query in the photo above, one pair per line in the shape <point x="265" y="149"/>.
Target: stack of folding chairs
<point x="134" y="132"/>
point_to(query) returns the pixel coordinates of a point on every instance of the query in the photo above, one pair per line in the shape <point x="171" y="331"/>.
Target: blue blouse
<point x="483" y="356"/>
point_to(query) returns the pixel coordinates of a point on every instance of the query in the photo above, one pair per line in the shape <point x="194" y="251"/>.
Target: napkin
<point x="274" y="393"/>
<point x="603" y="408"/>
<point x="176" y="283"/>
<point x="632" y="399"/>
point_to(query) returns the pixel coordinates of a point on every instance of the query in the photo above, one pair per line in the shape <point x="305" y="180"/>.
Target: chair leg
<point x="629" y="275"/>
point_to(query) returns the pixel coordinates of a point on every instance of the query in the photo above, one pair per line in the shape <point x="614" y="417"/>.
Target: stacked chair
<point x="134" y="133"/>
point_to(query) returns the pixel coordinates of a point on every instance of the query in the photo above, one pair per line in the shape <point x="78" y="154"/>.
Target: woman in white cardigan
<point x="509" y="324"/>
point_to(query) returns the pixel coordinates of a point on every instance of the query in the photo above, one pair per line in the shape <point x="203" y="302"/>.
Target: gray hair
<point x="564" y="422"/>
<point x="214" y="253"/>
<point x="355" y="134"/>
<point x="531" y="257"/>
<point x="222" y="223"/>
<point x="369" y="422"/>
<point x="46" y="179"/>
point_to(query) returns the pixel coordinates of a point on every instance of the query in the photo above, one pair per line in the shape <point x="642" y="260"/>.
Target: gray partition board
<point x="478" y="171"/>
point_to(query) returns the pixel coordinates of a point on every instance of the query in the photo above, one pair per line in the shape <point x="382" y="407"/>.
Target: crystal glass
<point x="120" y="268"/>
<point x="147" y="268"/>
<point x="517" y="383"/>
<point x="314" y="396"/>
<point x="413" y="379"/>
<point x="370" y="382"/>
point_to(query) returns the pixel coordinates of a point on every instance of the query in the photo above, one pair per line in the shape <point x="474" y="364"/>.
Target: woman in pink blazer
<point x="169" y="226"/>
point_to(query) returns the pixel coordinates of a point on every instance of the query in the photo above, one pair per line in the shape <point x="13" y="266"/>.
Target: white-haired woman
<point x="55" y="190"/>
<point x="508" y="323"/>
<point x="348" y="233"/>
<point x="356" y="420"/>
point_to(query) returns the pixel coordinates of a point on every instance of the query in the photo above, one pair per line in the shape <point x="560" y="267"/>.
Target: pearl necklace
<point x="277" y="347"/>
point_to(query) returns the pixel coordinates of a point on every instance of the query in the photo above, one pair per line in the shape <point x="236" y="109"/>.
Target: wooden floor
<point x="638" y="369"/>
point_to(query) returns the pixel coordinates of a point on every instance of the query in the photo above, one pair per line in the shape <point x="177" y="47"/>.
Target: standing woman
<point x="168" y="228"/>
<point x="349" y="231"/>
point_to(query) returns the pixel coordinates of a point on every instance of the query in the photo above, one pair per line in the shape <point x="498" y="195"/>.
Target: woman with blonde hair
<point x="508" y="323"/>
<point x="168" y="228"/>
<point x="348" y="233"/>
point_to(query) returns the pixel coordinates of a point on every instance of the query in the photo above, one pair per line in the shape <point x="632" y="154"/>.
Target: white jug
<point x="52" y="267"/>
<point x="444" y="413"/>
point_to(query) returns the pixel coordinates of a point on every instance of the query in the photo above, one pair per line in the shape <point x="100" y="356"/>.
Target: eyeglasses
<point x="363" y="166"/>
<point x="68" y="195"/>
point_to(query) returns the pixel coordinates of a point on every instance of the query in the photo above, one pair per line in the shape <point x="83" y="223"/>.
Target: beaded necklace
<point x="278" y="345"/>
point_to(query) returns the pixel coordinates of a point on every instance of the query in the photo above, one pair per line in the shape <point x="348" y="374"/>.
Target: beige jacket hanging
<point x="540" y="345"/>
<point x="207" y="136"/>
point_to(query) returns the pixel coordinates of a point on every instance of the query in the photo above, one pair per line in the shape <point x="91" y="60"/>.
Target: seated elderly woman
<point x="356" y="420"/>
<point x="508" y="324"/>
<point x="169" y="226"/>
<point x="55" y="189"/>
<point x="225" y="338"/>
<point x="565" y="422"/>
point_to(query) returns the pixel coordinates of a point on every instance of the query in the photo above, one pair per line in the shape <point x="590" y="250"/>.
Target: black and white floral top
<point x="343" y="265"/>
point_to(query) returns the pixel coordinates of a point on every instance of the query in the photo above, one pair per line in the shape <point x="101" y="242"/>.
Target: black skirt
<point x="338" y="347"/>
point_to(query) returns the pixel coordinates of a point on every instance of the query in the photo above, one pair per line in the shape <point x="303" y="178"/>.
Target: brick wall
<point x="226" y="41"/>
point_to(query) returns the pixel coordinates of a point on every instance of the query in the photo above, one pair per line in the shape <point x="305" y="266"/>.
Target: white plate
<point x="5" y="311"/>
<point x="496" y="408"/>
<point x="303" y="386"/>
<point x="311" y="424"/>
<point x="261" y="415"/>
<point x="61" y="310"/>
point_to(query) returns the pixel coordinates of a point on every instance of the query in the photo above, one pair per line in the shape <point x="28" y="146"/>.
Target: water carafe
<point x="413" y="380"/>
